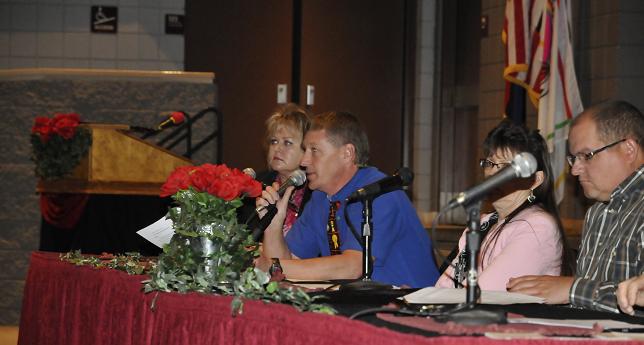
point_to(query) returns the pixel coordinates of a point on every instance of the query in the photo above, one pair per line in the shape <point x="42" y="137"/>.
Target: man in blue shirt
<point x="320" y="245"/>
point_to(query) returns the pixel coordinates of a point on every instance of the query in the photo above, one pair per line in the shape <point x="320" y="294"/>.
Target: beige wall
<point x="56" y="33"/>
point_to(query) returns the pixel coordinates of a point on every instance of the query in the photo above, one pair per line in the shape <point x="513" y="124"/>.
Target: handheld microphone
<point x="175" y="118"/>
<point x="250" y="172"/>
<point x="297" y="178"/>
<point x="401" y="178"/>
<point x="523" y="165"/>
<point x="258" y="230"/>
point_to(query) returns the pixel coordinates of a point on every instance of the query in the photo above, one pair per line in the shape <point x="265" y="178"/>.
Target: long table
<point x="68" y="304"/>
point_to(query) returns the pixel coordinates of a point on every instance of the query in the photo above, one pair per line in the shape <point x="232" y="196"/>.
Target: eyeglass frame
<point x="571" y="159"/>
<point x="487" y="163"/>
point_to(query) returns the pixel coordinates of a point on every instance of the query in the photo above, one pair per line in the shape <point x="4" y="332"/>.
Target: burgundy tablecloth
<point x="71" y="305"/>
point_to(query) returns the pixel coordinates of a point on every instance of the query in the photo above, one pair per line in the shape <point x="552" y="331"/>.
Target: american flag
<point x="539" y="57"/>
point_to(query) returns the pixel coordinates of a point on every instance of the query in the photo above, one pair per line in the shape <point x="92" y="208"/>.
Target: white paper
<point x="159" y="232"/>
<point x="606" y="324"/>
<point x="434" y="295"/>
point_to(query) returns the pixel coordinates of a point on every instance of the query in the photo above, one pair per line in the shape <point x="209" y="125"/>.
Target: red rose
<point x="247" y="184"/>
<point x="178" y="180"/>
<point x="65" y="125"/>
<point x="224" y="188"/>
<point x="220" y="171"/>
<point x="42" y="127"/>
<point x="201" y="178"/>
<point x="252" y="188"/>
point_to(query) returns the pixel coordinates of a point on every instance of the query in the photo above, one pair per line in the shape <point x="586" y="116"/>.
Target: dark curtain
<point x="108" y="223"/>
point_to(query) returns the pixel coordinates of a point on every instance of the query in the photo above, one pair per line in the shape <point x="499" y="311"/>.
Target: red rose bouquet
<point x="58" y="144"/>
<point x="206" y="194"/>
<point x="209" y="247"/>
<point x="210" y="251"/>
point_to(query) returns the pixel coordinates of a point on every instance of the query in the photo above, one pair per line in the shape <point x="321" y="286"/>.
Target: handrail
<point x="183" y="132"/>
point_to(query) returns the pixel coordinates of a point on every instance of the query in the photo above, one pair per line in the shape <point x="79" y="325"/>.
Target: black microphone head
<point x="406" y="175"/>
<point x="297" y="178"/>
<point x="524" y="164"/>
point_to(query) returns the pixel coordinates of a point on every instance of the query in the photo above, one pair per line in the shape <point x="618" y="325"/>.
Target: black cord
<point x="424" y="311"/>
<point x="388" y="310"/>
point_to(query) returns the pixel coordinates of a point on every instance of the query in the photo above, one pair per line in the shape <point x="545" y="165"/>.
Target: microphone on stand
<point x="175" y="118"/>
<point x="401" y="178"/>
<point x="297" y="178"/>
<point x="523" y="165"/>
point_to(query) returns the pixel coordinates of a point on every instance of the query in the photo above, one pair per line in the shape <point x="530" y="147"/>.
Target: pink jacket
<point x="528" y="245"/>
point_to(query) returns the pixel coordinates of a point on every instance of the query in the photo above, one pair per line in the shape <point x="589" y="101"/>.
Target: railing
<point x="183" y="133"/>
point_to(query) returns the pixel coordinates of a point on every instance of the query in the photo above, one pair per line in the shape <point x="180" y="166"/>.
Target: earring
<point x="531" y="197"/>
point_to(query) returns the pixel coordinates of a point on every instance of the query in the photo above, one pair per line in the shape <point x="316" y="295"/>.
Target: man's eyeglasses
<point x="588" y="156"/>
<point x="486" y="163"/>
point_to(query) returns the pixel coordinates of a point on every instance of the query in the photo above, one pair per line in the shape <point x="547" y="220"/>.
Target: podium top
<point x="105" y="74"/>
<point x="117" y="163"/>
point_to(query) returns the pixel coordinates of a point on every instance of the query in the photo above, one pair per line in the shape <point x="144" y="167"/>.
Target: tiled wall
<point x="424" y="105"/>
<point x="56" y="33"/>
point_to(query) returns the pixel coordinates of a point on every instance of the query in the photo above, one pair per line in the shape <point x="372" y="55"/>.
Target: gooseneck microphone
<point x="401" y="178"/>
<point x="297" y="178"/>
<point x="175" y="118"/>
<point x="523" y="165"/>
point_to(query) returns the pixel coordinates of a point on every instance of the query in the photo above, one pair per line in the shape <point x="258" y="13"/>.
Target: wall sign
<point x="174" y="24"/>
<point x="104" y="19"/>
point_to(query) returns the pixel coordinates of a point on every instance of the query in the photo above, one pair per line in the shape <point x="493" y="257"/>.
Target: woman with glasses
<point x="285" y="130"/>
<point x="524" y="235"/>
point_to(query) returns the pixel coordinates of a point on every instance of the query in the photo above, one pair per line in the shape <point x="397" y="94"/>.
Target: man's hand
<point x="554" y="289"/>
<point x="629" y="293"/>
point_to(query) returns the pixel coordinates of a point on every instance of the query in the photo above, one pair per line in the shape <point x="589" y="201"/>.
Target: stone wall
<point x="142" y="99"/>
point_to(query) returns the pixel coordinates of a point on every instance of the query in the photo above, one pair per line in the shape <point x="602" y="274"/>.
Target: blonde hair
<point x="290" y="115"/>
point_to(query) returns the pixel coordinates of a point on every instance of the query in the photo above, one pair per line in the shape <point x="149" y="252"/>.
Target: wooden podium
<point x="117" y="163"/>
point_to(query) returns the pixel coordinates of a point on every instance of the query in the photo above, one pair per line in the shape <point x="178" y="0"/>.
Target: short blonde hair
<point x="290" y="115"/>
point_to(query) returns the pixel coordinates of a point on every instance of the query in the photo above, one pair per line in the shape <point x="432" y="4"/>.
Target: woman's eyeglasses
<point x="486" y="163"/>
<point x="588" y="156"/>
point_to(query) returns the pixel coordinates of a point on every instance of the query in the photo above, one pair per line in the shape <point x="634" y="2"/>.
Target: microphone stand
<point x="469" y="313"/>
<point x="365" y="283"/>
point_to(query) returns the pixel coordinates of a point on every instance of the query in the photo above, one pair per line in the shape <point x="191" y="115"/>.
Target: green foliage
<point x="132" y="263"/>
<point x="211" y="252"/>
<point x="255" y="284"/>
<point x="58" y="156"/>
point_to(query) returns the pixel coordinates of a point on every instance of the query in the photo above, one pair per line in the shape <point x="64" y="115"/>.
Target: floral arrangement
<point x="210" y="251"/>
<point x="58" y="144"/>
